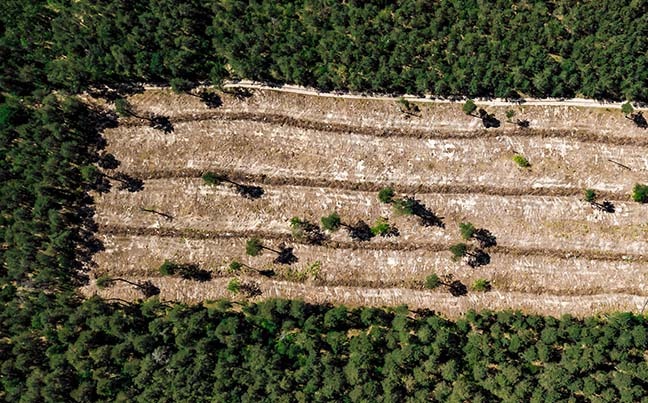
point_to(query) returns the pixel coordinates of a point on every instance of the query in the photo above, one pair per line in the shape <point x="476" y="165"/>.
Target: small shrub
<point x="331" y="222"/>
<point x="432" y="281"/>
<point x="510" y="113"/>
<point x="590" y="195"/>
<point x="640" y="193"/>
<point x="469" y="107"/>
<point x="253" y="246"/>
<point x="521" y="161"/>
<point x="481" y="285"/>
<point x="458" y="251"/>
<point x="627" y="108"/>
<point x="467" y="230"/>
<point x="386" y="195"/>
<point x="234" y="286"/>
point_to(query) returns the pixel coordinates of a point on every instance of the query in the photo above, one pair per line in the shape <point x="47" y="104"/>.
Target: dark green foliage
<point x="150" y="351"/>
<point x="469" y="107"/>
<point x="386" y="195"/>
<point x="496" y="48"/>
<point x="253" y="246"/>
<point x="627" y="108"/>
<point x="521" y="161"/>
<point x="331" y="222"/>
<point x="384" y="229"/>
<point x="458" y="250"/>
<point x="590" y="195"/>
<point x="482" y="285"/>
<point x="640" y="193"/>
<point x="432" y="281"/>
<point x="467" y="230"/>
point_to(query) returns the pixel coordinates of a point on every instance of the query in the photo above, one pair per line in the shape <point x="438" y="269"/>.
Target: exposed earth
<point x="313" y="155"/>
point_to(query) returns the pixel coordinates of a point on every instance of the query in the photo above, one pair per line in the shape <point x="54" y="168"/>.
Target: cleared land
<point x="312" y="155"/>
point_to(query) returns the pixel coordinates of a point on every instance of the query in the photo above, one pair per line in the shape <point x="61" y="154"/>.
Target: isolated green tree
<point x="482" y="285"/>
<point x="469" y="107"/>
<point x="640" y="193"/>
<point x="627" y="108"/>
<point x="404" y="206"/>
<point x="384" y="229"/>
<point x="467" y="230"/>
<point x="432" y="281"/>
<point x="458" y="250"/>
<point x="254" y="247"/>
<point x="590" y="195"/>
<point x="386" y="195"/>
<point x="521" y="161"/>
<point x="332" y="222"/>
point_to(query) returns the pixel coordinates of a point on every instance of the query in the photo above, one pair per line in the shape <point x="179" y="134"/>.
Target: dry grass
<point x="315" y="155"/>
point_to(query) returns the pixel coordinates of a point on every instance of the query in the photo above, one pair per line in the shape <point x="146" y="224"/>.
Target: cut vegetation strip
<point x="119" y="230"/>
<point x="367" y="186"/>
<point x="283" y="120"/>
<point x="579" y="305"/>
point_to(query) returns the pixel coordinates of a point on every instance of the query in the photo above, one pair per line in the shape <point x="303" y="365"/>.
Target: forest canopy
<point x="502" y="48"/>
<point x="56" y="347"/>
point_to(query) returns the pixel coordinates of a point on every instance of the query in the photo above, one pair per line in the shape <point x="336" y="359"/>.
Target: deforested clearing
<point x="554" y="252"/>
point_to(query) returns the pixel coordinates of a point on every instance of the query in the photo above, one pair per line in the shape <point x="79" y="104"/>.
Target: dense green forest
<point x="559" y="48"/>
<point x="55" y="346"/>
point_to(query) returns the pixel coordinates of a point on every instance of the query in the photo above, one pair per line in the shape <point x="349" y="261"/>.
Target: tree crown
<point x="469" y="107"/>
<point x="253" y="246"/>
<point x="331" y="222"/>
<point x="467" y="230"/>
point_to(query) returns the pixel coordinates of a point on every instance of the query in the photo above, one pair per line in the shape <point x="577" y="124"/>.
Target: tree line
<point x="280" y="350"/>
<point x="503" y="48"/>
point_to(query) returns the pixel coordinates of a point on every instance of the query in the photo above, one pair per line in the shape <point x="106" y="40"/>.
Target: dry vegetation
<point x="556" y="254"/>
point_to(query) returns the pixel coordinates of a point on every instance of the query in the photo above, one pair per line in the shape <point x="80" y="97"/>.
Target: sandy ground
<point x="564" y="223"/>
<point x="314" y="155"/>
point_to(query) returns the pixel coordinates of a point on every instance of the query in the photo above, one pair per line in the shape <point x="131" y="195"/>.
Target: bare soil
<point x="312" y="155"/>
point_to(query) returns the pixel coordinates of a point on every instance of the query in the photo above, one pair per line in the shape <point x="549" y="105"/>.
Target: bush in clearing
<point x="482" y="285"/>
<point x="521" y="161"/>
<point x="640" y="193"/>
<point x="432" y="281"/>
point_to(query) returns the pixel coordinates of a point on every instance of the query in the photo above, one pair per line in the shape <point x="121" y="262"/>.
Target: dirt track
<point x="314" y="155"/>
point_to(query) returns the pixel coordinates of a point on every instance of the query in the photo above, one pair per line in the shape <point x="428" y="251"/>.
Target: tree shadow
<point x="127" y="182"/>
<point x="639" y="120"/>
<point x="360" y="231"/>
<point x="307" y="232"/>
<point x="212" y="100"/>
<point x="108" y="161"/>
<point x="285" y="255"/>
<point x="488" y="119"/>
<point x="426" y="217"/>
<point x="485" y="238"/>
<point x="606" y="206"/>
<point x="195" y="273"/>
<point x="478" y="258"/>
<point x="162" y="123"/>
<point x="457" y="288"/>
<point x="249" y="191"/>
